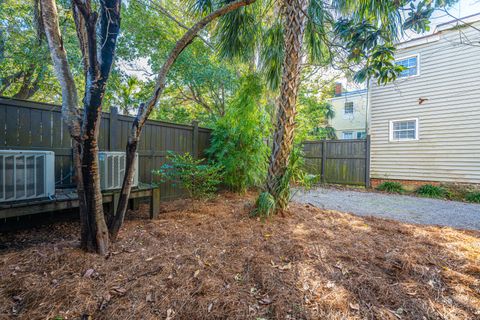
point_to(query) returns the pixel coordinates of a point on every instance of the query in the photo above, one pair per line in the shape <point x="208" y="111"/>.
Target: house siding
<point x="448" y="149"/>
<point x="349" y="123"/>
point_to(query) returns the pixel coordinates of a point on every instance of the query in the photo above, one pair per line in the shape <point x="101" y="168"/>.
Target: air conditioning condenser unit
<point x="112" y="169"/>
<point x="26" y="174"/>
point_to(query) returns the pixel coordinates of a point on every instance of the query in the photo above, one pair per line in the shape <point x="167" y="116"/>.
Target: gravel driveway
<point x="398" y="207"/>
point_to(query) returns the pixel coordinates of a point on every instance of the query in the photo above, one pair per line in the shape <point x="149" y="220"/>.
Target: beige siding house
<point x="350" y="120"/>
<point x="426" y="125"/>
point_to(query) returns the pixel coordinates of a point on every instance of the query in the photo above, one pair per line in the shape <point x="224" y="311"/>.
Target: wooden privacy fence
<point x="339" y="161"/>
<point x="26" y="125"/>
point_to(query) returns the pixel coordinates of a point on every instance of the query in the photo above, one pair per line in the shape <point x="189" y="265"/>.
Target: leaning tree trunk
<point x="294" y="22"/>
<point x="145" y="109"/>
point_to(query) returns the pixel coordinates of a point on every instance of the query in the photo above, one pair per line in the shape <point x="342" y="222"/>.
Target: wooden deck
<point x="68" y="199"/>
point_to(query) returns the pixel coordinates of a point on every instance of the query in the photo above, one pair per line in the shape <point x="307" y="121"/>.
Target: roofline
<point x="435" y="36"/>
<point x="351" y="93"/>
<point x="439" y="26"/>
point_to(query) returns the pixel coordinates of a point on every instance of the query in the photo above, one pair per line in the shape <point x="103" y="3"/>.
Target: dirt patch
<point x="217" y="263"/>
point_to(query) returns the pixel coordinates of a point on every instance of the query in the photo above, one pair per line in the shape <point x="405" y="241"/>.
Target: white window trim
<point x="353" y="108"/>
<point x="418" y="65"/>
<point x="390" y="135"/>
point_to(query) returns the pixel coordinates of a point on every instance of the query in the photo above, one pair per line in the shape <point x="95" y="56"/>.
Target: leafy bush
<point x="391" y="186"/>
<point x="200" y="180"/>
<point x="473" y="196"/>
<point x="237" y="142"/>
<point x="431" y="191"/>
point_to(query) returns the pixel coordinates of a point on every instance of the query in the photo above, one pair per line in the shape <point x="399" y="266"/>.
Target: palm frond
<point x="317" y="32"/>
<point x="237" y="32"/>
<point x="201" y="6"/>
<point x="272" y="55"/>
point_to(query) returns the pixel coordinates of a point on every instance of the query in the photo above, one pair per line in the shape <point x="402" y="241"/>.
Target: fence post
<point x="195" y="152"/>
<point x="367" y="162"/>
<point x="113" y="142"/>
<point x="324" y="160"/>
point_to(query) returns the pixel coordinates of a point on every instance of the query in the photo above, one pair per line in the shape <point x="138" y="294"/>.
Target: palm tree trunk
<point x="294" y="24"/>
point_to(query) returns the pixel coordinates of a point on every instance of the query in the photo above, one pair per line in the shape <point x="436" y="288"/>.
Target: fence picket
<point x="338" y="161"/>
<point x="42" y="129"/>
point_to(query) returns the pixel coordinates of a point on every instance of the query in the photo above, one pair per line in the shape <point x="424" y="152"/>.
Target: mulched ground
<point x="215" y="262"/>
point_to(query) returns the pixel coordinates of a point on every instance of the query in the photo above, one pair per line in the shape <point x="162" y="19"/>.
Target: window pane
<point x="411" y="65"/>
<point x="348" y="107"/>
<point x="404" y="130"/>
<point x="347" y="135"/>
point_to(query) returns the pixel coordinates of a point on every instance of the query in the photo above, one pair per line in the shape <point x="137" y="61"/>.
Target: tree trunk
<point x="116" y="221"/>
<point x="2" y="43"/>
<point x="86" y="241"/>
<point x="30" y="83"/>
<point x="294" y="22"/>
<point x="145" y="109"/>
<point x="96" y="238"/>
<point x="98" y="47"/>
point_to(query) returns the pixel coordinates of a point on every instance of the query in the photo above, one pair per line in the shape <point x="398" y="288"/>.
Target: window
<point x="361" y="135"/>
<point x="348" y="108"/>
<point x="411" y="65"/>
<point x="404" y="130"/>
<point x="347" y="135"/>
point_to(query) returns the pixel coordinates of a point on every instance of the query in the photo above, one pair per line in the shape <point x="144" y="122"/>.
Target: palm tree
<point x="293" y="13"/>
<point x="278" y="33"/>
<point x="320" y="29"/>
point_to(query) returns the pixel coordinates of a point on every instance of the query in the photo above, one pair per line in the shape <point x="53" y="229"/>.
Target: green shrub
<point x="473" y="196"/>
<point x="431" y="191"/>
<point x="200" y="180"/>
<point x="265" y="206"/>
<point x="391" y="186"/>
<point x="237" y="141"/>
<point x="296" y="169"/>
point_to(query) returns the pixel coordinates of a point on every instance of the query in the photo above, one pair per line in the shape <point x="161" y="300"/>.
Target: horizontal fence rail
<point x="339" y="161"/>
<point x="26" y="125"/>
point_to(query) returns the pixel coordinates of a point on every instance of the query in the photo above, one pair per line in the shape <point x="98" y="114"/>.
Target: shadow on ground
<point x="217" y="263"/>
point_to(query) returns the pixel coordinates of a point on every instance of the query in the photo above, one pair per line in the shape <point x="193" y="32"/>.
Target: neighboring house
<point x="425" y="126"/>
<point x="350" y="109"/>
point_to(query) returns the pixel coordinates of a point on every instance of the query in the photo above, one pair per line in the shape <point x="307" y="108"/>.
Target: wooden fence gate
<point x="339" y="161"/>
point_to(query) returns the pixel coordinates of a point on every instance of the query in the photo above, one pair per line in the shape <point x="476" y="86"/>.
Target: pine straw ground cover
<point x="217" y="263"/>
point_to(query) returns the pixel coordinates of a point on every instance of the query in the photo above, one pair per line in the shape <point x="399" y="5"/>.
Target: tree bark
<point x="7" y="81"/>
<point x="70" y="113"/>
<point x="30" y="83"/>
<point x="145" y="109"/>
<point x="85" y="130"/>
<point x="294" y="22"/>
<point x="2" y="44"/>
